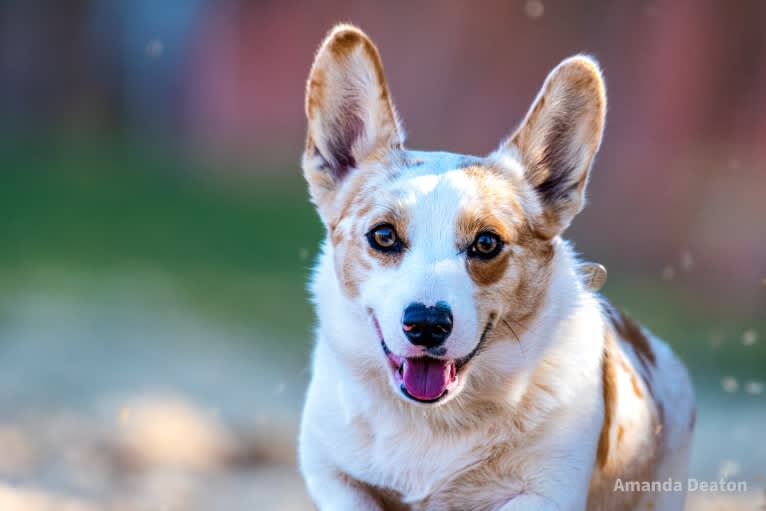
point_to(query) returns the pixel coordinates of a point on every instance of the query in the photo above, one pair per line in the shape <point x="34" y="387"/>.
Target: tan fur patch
<point x="488" y="216"/>
<point x="636" y="386"/>
<point x="632" y="333"/>
<point x="488" y="272"/>
<point x="314" y="94"/>
<point x="633" y="378"/>
<point x="499" y="211"/>
<point x="635" y="455"/>
<point x="349" y="266"/>
<point x="387" y="499"/>
<point x="346" y="40"/>
<point x="609" y="382"/>
<point x="400" y="222"/>
<point x="532" y="256"/>
<point x="352" y="218"/>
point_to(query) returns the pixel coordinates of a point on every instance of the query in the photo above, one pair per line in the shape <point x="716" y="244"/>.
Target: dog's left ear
<point x="559" y="137"/>
<point x="350" y="114"/>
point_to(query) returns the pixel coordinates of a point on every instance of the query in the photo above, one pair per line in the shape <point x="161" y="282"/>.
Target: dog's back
<point x="649" y="417"/>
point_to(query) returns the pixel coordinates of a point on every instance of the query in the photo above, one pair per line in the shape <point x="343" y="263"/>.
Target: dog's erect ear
<point x="559" y="137"/>
<point x="350" y="114"/>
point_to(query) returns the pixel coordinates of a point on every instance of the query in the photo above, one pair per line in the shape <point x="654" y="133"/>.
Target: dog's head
<point x="438" y="256"/>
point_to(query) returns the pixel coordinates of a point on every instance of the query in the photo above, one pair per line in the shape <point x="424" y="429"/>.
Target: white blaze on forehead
<point x="433" y="202"/>
<point x="423" y="184"/>
<point x="432" y="196"/>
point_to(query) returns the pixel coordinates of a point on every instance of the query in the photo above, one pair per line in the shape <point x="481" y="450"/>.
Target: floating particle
<point x="730" y="384"/>
<point x="534" y="9"/>
<point x="755" y="388"/>
<point x="124" y="415"/>
<point x="651" y="10"/>
<point x="686" y="261"/>
<point x="727" y="469"/>
<point x="749" y="337"/>
<point x="303" y="254"/>
<point x="716" y="340"/>
<point x="280" y="388"/>
<point x="668" y="273"/>
<point x="155" y="48"/>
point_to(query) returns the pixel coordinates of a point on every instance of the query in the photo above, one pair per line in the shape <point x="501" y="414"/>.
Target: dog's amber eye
<point x="384" y="239"/>
<point x="486" y="246"/>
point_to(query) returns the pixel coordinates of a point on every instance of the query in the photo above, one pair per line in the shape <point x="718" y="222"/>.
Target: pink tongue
<point x="427" y="378"/>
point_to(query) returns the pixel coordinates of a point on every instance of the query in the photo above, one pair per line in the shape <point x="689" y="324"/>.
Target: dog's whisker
<point x="507" y="323"/>
<point x="525" y="328"/>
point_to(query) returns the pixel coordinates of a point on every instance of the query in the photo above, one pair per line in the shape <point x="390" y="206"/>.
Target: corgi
<point x="461" y="360"/>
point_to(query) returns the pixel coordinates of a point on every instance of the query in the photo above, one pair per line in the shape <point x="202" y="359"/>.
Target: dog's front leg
<point x="333" y="491"/>
<point x="563" y="487"/>
<point x="559" y="478"/>
<point x="527" y="502"/>
<point x="330" y="488"/>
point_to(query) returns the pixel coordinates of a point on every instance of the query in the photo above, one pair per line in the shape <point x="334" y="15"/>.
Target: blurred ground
<point x="154" y="337"/>
<point x="125" y="408"/>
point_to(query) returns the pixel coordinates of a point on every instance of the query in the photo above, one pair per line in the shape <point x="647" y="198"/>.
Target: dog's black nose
<point x="427" y="326"/>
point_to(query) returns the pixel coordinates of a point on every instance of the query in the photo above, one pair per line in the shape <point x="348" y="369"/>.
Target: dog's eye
<point x="486" y="246"/>
<point x="384" y="239"/>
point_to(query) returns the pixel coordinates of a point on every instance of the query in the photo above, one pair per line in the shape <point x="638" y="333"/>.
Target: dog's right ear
<point x="350" y="115"/>
<point x="559" y="138"/>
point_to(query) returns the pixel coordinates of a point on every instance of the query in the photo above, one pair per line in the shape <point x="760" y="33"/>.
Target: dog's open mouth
<point x="426" y="379"/>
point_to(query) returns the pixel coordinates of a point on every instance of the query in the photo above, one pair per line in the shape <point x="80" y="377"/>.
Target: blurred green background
<point x="156" y="235"/>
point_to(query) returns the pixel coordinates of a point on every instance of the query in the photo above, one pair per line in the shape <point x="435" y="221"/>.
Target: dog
<point x="461" y="362"/>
